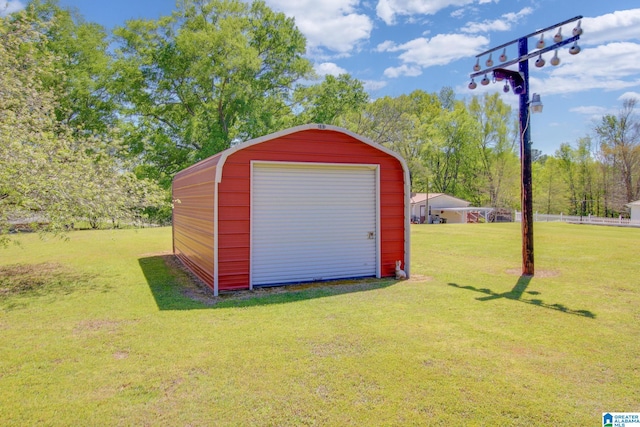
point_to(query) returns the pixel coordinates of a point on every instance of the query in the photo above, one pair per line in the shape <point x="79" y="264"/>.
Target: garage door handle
<point x="372" y="235"/>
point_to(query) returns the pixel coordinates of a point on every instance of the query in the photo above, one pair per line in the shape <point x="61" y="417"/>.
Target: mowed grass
<point x="127" y="340"/>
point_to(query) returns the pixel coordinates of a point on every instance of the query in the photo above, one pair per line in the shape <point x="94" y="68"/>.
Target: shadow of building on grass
<point x="517" y="293"/>
<point x="175" y="288"/>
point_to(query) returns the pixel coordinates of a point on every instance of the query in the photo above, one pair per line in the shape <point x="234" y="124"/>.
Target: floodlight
<point x="536" y="104"/>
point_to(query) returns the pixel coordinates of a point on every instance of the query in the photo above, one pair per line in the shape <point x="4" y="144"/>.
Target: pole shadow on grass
<point x="516" y="294"/>
<point x="174" y="288"/>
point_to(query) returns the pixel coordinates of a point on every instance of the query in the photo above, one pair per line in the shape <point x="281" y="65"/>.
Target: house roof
<point x="636" y="203"/>
<point x="421" y="197"/>
<point x="220" y="158"/>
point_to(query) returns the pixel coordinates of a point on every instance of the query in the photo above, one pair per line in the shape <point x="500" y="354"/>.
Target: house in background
<point x="634" y="208"/>
<point x="438" y="208"/>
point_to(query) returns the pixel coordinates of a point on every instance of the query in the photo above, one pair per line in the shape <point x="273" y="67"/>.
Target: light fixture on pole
<point x="519" y="81"/>
<point x="536" y="104"/>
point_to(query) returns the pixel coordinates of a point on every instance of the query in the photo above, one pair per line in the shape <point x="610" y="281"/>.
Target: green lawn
<point x="103" y="332"/>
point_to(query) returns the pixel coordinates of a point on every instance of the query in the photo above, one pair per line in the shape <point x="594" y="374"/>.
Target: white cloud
<point x="629" y="95"/>
<point x="621" y="25"/>
<point x="329" y="68"/>
<point x="9" y="6"/>
<point x="403" y="70"/>
<point x="438" y="50"/>
<point x="503" y="24"/>
<point x="612" y="65"/>
<point x="388" y="10"/>
<point x="459" y="13"/>
<point x="593" y="113"/>
<point x="386" y="46"/>
<point x="608" y="67"/>
<point x="441" y="49"/>
<point x="606" y="62"/>
<point x="589" y="110"/>
<point x="331" y="24"/>
<point x="373" y="85"/>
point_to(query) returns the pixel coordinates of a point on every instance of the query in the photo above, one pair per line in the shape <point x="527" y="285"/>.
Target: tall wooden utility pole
<point x="519" y="81"/>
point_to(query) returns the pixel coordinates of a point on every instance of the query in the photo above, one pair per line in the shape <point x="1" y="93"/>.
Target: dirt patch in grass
<point x="121" y="355"/>
<point x="152" y="254"/>
<point x="193" y="288"/>
<point x="97" y="326"/>
<point x="419" y="278"/>
<point x="39" y="279"/>
<point x="190" y="285"/>
<point x="539" y="273"/>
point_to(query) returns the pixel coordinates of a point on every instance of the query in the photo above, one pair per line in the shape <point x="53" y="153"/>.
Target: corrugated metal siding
<point x="312" y="222"/>
<point x="325" y="146"/>
<point x="193" y="192"/>
<point x="234" y="211"/>
<point x="194" y="218"/>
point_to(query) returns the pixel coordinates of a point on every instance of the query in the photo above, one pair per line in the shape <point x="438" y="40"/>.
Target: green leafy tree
<point x="448" y="154"/>
<point x="48" y="173"/>
<point x="619" y="138"/>
<point x="403" y="124"/>
<point x="213" y="72"/>
<point x="577" y="168"/>
<point x="82" y="67"/>
<point x="332" y="99"/>
<point x="383" y="121"/>
<point x="451" y="148"/>
<point x="494" y="145"/>
<point x="589" y="193"/>
<point x="567" y="163"/>
<point x="549" y="187"/>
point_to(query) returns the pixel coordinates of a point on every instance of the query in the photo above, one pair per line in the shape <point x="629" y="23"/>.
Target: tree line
<point x="94" y="125"/>
<point x="598" y="174"/>
<point x="470" y="149"/>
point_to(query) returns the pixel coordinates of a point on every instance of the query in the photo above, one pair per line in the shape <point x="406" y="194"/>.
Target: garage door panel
<point x="313" y="223"/>
<point x="342" y="255"/>
<point x="286" y="225"/>
<point x="312" y="244"/>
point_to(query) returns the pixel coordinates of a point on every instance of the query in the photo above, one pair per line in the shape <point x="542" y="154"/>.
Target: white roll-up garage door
<point x="313" y="222"/>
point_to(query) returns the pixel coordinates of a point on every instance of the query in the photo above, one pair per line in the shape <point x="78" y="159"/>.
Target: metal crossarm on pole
<point x="520" y="83"/>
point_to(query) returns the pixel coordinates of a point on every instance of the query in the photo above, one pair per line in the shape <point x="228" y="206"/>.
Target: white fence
<point x="587" y="219"/>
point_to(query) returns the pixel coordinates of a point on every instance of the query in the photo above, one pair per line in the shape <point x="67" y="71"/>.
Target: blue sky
<point x="398" y="46"/>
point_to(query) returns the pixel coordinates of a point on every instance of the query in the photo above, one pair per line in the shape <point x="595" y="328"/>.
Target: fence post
<point x="561" y="220"/>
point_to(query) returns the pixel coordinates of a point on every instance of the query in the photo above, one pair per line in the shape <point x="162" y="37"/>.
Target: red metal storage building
<point x="310" y="203"/>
